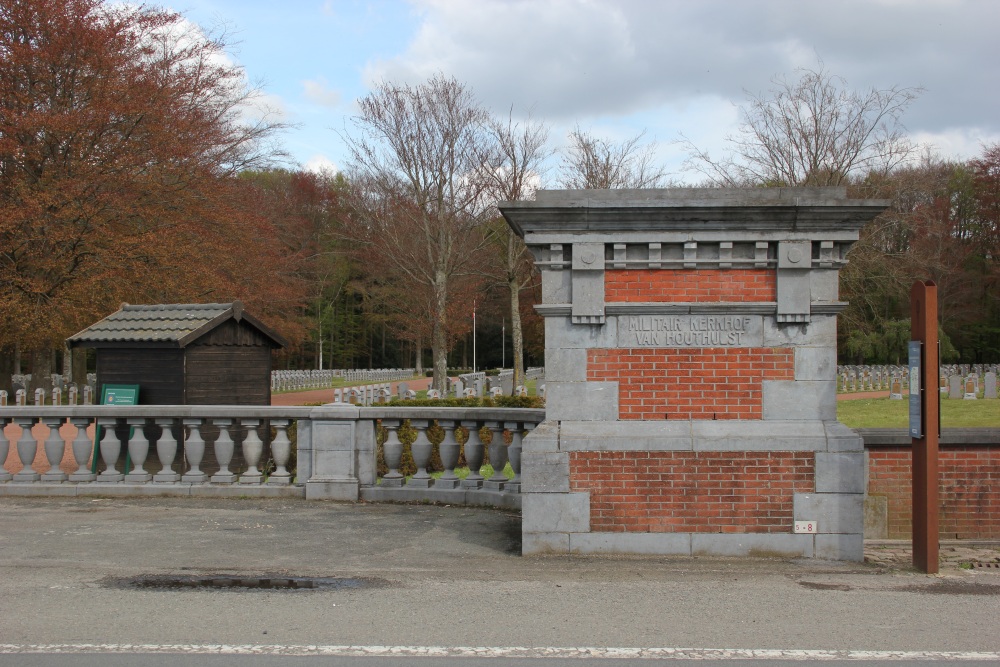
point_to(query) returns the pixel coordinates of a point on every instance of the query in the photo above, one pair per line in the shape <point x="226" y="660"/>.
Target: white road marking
<point x="503" y="652"/>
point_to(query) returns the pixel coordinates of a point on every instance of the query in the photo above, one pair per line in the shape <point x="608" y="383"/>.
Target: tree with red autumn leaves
<point x="122" y="128"/>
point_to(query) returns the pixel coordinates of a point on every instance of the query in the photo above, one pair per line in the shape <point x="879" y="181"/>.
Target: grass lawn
<point x="886" y="413"/>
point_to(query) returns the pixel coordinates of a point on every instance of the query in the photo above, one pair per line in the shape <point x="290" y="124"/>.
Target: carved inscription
<point x="689" y="331"/>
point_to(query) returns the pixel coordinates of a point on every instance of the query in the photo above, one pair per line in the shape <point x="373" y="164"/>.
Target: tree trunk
<point x="517" y="338"/>
<point x="41" y="371"/>
<point x="6" y="369"/>
<point x="418" y="355"/>
<point x="79" y="372"/>
<point x="439" y="344"/>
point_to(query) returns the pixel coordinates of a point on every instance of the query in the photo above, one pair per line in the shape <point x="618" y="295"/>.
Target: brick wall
<point x="692" y="285"/>
<point x="692" y="492"/>
<point x="969" y="494"/>
<point x="698" y="383"/>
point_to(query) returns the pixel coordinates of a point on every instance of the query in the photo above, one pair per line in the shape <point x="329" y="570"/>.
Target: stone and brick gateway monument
<point x="690" y="373"/>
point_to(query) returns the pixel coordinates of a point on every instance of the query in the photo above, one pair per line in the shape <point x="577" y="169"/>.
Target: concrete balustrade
<point x="323" y="379"/>
<point x="192" y="450"/>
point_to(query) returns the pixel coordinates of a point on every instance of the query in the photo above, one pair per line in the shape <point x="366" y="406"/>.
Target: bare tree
<point x="416" y="152"/>
<point x="513" y="170"/>
<point x="596" y="164"/>
<point x="811" y="130"/>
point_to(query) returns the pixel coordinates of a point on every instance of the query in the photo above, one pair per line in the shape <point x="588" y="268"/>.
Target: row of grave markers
<point x="382" y="393"/>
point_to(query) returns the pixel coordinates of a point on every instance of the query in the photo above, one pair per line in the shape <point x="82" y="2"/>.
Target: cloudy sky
<point x="616" y="67"/>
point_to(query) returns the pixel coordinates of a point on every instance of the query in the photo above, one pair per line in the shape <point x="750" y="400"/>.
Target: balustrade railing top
<point x="221" y="450"/>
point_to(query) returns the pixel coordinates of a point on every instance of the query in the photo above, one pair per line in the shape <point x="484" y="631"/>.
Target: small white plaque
<point x="806" y="527"/>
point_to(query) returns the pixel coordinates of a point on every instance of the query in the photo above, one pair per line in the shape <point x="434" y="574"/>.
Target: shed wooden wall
<point x="158" y="372"/>
<point x="228" y="375"/>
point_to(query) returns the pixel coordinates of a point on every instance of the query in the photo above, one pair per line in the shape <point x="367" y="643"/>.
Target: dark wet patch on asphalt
<point x="217" y="582"/>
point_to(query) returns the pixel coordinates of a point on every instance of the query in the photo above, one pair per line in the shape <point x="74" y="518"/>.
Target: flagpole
<point x="474" y="367"/>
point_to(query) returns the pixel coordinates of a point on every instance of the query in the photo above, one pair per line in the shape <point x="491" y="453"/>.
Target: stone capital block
<point x="546" y="472"/>
<point x="800" y="400"/>
<point x="581" y="401"/>
<point x="832" y="512"/>
<point x="555" y="513"/>
<point x="840" y="472"/>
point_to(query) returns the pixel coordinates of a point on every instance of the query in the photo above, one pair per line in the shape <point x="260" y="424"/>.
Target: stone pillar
<point x="336" y="453"/>
<point x="691" y="373"/>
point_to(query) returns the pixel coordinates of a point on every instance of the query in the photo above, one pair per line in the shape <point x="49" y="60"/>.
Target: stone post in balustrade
<point x="83" y="447"/>
<point x="109" y="447"/>
<point x="55" y="448"/>
<point x="281" y="451"/>
<point x="166" y="452"/>
<point x="138" y="451"/>
<point x="194" y="450"/>
<point x="253" y="449"/>
<point x="224" y="449"/>
<point x="336" y="452"/>
<point x="5" y="476"/>
<point x="473" y="455"/>
<point x="690" y="330"/>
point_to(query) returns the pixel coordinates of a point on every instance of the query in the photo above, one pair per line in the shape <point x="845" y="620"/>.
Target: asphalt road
<point x="89" y="573"/>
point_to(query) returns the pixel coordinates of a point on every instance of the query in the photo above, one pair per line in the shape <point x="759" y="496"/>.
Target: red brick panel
<point x="969" y="495"/>
<point x="690" y="383"/>
<point x="691" y="286"/>
<point x="692" y="492"/>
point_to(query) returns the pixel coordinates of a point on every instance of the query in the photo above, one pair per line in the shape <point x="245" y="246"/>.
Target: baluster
<point x="253" y="448"/>
<point x="138" y="451"/>
<point x="166" y="452"/>
<point x="393" y="451"/>
<point x="281" y="450"/>
<point x="5" y="476"/>
<point x="194" y="449"/>
<point x="27" y="448"/>
<point x="82" y="449"/>
<point x="111" y="448"/>
<point x="224" y="448"/>
<point x="514" y="454"/>
<point x="55" y="448"/>
<point x="450" y="450"/>
<point x="421" y="449"/>
<point x="473" y="456"/>
<point x="498" y="457"/>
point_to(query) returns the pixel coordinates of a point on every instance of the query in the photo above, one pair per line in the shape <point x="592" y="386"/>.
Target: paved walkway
<point x="78" y="573"/>
<point x="318" y="396"/>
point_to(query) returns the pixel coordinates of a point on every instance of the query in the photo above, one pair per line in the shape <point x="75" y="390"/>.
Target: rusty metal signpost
<point x="925" y="423"/>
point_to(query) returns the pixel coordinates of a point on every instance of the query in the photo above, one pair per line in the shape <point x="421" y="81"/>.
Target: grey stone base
<point x="228" y="478"/>
<point x="442" y="483"/>
<point x="121" y="489"/>
<point x="763" y="545"/>
<point x="54" y="476"/>
<point x="408" y="494"/>
<point x="333" y="489"/>
<point x="138" y="478"/>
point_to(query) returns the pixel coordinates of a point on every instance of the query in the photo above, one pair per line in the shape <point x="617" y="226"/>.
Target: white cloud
<point x="957" y="143"/>
<point x="320" y="164"/>
<point x="319" y="92"/>
<point x="576" y="60"/>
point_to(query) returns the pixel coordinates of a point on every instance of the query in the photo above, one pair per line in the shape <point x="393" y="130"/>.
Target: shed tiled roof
<point x="176" y="323"/>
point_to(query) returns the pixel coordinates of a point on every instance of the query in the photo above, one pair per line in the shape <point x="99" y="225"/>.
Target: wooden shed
<point x="185" y="354"/>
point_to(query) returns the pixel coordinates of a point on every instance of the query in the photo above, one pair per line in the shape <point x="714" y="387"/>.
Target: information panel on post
<point x="916" y="416"/>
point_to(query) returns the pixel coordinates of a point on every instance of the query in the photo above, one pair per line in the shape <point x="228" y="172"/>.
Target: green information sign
<point x="120" y="394"/>
<point x="113" y="394"/>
